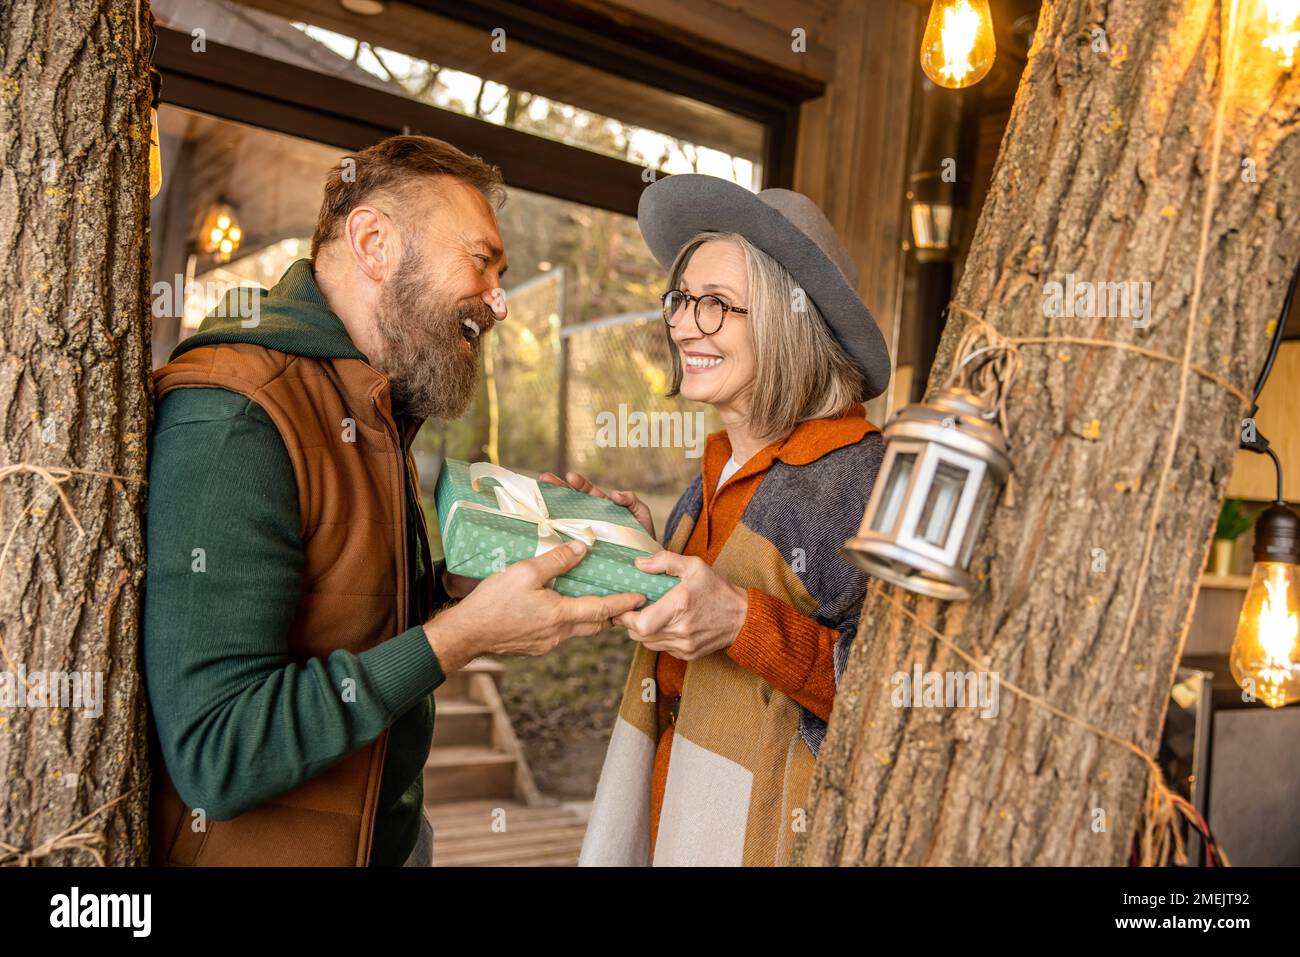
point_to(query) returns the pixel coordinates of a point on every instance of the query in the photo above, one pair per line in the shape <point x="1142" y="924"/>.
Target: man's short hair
<point x="392" y="164"/>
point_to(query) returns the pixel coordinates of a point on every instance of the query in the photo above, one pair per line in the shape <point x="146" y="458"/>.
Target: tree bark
<point x="74" y="392"/>
<point x="1105" y="172"/>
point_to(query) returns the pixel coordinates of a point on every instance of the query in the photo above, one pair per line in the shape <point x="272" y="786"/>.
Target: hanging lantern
<point x="1265" y="656"/>
<point x="945" y="460"/>
<point x="219" y="233"/>
<point x="1283" y="25"/>
<point x="958" y="48"/>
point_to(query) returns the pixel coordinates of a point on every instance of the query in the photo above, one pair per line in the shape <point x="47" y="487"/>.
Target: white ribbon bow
<point x="520" y="497"/>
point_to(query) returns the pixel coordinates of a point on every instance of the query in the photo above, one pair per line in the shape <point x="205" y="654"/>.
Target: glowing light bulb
<point x="1283" y="18"/>
<point x="235" y="233"/>
<point x="155" y="156"/>
<point x="1265" y="655"/>
<point x="227" y="247"/>
<point x="223" y="222"/>
<point x="958" y="48"/>
<point x="215" y="236"/>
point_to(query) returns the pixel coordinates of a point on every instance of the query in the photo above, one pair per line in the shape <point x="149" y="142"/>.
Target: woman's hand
<point x="640" y="511"/>
<point x="696" y="618"/>
<point x="457" y="586"/>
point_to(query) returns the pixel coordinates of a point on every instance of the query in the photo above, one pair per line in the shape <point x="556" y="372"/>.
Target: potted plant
<point x="1232" y="523"/>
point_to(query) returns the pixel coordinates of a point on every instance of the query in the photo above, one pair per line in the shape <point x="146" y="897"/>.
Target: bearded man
<point x="295" y="622"/>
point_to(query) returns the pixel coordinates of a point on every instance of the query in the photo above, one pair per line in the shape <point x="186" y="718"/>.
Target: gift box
<point x="491" y="517"/>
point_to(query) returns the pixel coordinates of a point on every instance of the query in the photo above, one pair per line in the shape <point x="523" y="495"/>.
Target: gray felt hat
<point x="787" y="226"/>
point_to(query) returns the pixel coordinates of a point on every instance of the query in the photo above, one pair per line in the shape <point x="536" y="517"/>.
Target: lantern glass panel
<point x="891" y="503"/>
<point x="941" y="503"/>
<point x="987" y="494"/>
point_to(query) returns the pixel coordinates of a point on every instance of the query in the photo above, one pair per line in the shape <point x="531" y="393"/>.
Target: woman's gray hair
<point x="801" y="372"/>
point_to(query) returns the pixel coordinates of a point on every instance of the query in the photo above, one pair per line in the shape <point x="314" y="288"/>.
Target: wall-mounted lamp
<point x="929" y="198"/>
<point x="931" y="227"/>
<point x="155" y="148"/>
<point x="220" y="234"/>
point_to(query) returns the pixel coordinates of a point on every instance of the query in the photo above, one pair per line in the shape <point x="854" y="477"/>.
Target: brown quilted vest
<point x="354" y="589"/>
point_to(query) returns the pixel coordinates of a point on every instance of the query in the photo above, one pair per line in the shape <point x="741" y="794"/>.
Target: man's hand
<point x="701" y="615"/>
<point x="513" y="612"/>
<point x="580" y="483"/>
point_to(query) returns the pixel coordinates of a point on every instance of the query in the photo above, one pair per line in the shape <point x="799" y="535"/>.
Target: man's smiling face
<point x="441" y="300"/>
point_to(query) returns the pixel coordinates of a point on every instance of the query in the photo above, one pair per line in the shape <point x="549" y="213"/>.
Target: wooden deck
<point x="505" y="834"/>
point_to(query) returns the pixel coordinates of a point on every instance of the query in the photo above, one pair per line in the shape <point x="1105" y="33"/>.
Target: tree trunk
<point x="1106" y="172"/>
<point x="74" y="393"/>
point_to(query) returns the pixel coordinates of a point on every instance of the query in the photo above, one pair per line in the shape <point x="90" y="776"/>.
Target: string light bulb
<point x="1265" y="657"/>
<point x="1283" y="26"/>
<point x="958" y="48"/>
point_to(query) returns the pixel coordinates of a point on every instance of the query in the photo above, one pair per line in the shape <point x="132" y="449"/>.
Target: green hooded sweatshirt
<point x="238" y="722"/>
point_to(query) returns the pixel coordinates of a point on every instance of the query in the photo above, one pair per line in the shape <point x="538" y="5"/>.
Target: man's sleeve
<point x="239" y="723"/>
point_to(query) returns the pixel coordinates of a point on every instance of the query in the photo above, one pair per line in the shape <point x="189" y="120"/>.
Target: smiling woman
<point x="744" y="654"/>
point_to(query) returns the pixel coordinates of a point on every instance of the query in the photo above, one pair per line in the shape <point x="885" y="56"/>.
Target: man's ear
<point x="371" y="240"/>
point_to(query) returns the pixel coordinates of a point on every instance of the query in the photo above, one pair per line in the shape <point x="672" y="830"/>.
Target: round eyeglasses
<point x="709" y="310"/>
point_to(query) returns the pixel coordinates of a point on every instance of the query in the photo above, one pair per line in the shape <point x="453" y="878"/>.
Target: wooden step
<point x="452" y="809"/>
<point x="459" y="722"/>
<point x="461" y="771"/>
<point x="458" y="683"/>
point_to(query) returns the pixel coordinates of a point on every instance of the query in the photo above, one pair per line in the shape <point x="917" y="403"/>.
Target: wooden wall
<point x="853" y="155"/>
<point x="750" y="29"/>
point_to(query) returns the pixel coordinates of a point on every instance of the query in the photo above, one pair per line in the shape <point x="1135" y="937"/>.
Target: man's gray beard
<point x="430" y="375"/>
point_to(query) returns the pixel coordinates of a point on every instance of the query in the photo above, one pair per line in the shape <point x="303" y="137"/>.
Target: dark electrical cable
<point x="1277" y="337"/>
<point x="1260" y="444"/>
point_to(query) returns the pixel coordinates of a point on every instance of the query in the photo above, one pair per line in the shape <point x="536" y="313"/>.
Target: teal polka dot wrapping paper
<point x="477" y="543"/>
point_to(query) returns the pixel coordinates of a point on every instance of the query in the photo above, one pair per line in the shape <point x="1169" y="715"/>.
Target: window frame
<point x="250" y="88"/>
